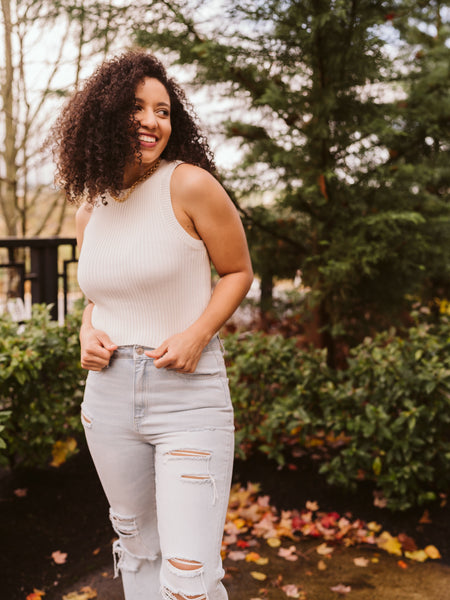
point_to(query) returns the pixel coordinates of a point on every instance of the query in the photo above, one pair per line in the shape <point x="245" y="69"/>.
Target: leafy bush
<point x="391" y="406"/>
<point x="4" y="415"/>
<point x="276" y="388"/>
<point x="41" y="384"/>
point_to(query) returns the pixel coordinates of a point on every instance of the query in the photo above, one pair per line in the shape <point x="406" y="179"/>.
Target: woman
<point x="156" y="411"/>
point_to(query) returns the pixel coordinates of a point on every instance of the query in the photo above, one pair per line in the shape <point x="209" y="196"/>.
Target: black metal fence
<point x="41" y="262"/>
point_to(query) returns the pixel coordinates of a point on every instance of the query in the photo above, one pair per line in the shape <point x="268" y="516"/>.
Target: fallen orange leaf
<point x="433" y="552"/>
<point x="252" y="557"/>
<point x="256" y="558"/>
<point x="425" y="518"/>
<point x="240" y="523"/>
<point x="35" y="595"/>
<point x="402" y="564"/>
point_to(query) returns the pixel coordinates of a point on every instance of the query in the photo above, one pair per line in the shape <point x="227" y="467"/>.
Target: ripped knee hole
<point x="185" y="565"/>
<point x="187" y="453"/>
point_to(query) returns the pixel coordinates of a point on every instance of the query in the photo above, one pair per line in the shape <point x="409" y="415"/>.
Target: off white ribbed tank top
<point x="147" y="277"/>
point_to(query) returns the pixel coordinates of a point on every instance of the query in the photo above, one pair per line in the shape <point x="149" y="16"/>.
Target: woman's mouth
<point x="146" y="139"/>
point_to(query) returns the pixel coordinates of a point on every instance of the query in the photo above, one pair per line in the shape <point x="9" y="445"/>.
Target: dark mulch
<point x="65" y="510"/>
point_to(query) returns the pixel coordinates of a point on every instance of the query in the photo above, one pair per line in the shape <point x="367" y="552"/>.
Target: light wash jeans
<point x="163" y="446"/>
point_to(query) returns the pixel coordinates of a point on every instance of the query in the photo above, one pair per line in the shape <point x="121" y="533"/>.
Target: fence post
<point x="43" y="263"/>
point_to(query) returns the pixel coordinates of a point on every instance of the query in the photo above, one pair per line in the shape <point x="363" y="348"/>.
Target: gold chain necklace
<point x="142" y="178"/>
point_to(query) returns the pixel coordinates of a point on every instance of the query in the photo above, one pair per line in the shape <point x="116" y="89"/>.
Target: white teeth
<point x="147" y="138"/>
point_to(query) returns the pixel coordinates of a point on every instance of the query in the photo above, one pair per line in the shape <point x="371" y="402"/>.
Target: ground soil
<point x="64" y="509"/>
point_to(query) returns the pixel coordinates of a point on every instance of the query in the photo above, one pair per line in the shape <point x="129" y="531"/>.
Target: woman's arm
<point x="205" y="210"/>
<point x="96" y="347"/>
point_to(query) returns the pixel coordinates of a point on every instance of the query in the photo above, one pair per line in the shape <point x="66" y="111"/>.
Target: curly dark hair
<point x="95" y="136"/>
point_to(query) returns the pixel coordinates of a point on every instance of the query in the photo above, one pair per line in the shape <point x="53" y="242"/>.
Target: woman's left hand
<point x="180" y="352"/>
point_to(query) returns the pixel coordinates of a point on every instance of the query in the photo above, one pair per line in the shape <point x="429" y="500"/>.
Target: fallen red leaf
<point x="408" y="544"/>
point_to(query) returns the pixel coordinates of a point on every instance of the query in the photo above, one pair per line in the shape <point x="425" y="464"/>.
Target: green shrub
<point x="393" y="404"/>
<point x="391" y="407"/>
<point x="275" y="388"/>
<point x="41" y="383"/>
<point x="4" y="415"/>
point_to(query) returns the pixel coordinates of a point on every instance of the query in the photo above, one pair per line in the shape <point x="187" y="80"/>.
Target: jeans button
<point x="139" y="350"/>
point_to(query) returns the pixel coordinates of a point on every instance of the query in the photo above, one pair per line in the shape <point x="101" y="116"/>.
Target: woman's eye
<point x="137" y="107"/>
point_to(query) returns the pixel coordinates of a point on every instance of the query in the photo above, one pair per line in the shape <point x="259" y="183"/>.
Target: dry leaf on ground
<point x="433" y="552"/>
<point x="86" y="593"/>
<point x="35" y="595"/>
<point x="288" y="553"/>
<point x="341" y="589"/>
<point x="59" y="557"/>
<point x="324" y="550"/>
<point x="237" y="555"/>
<point x="389" y="543"/>
<point x="291" y="590"/>
<point x="258" y="575"/>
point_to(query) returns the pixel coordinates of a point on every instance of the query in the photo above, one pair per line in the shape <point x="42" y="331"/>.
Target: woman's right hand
<point x="96" y="348"/>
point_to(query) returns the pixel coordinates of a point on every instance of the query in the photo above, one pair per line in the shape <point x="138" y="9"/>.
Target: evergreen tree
<point x="318" y="131"/>
<point x="419" y="140"/>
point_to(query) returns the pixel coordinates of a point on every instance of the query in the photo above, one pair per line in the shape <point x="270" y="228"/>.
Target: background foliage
<point x="384" y="419"/>
<point x="41" y="383"/>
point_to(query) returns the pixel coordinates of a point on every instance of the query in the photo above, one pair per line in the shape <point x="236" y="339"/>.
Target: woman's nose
<point x="147" y="119"/>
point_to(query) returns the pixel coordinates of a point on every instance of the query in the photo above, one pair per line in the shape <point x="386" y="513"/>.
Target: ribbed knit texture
<point x="147" y="277"/>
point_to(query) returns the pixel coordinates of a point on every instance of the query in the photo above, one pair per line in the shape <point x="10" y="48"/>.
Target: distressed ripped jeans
<point x="162" y="444"/>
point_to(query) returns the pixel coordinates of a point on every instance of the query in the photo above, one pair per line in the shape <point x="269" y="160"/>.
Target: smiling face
<point x="152" y="113"/>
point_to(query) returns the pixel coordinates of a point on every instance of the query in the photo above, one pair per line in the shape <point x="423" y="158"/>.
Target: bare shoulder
<point x="195" y="188"/>
<point x="192" y="175"/>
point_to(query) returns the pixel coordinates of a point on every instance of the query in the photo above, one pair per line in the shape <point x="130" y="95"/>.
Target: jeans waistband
<point x="138" y="351"/>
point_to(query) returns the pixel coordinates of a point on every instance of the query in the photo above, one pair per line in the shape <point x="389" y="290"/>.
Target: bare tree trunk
<point x="8" y="194"/>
